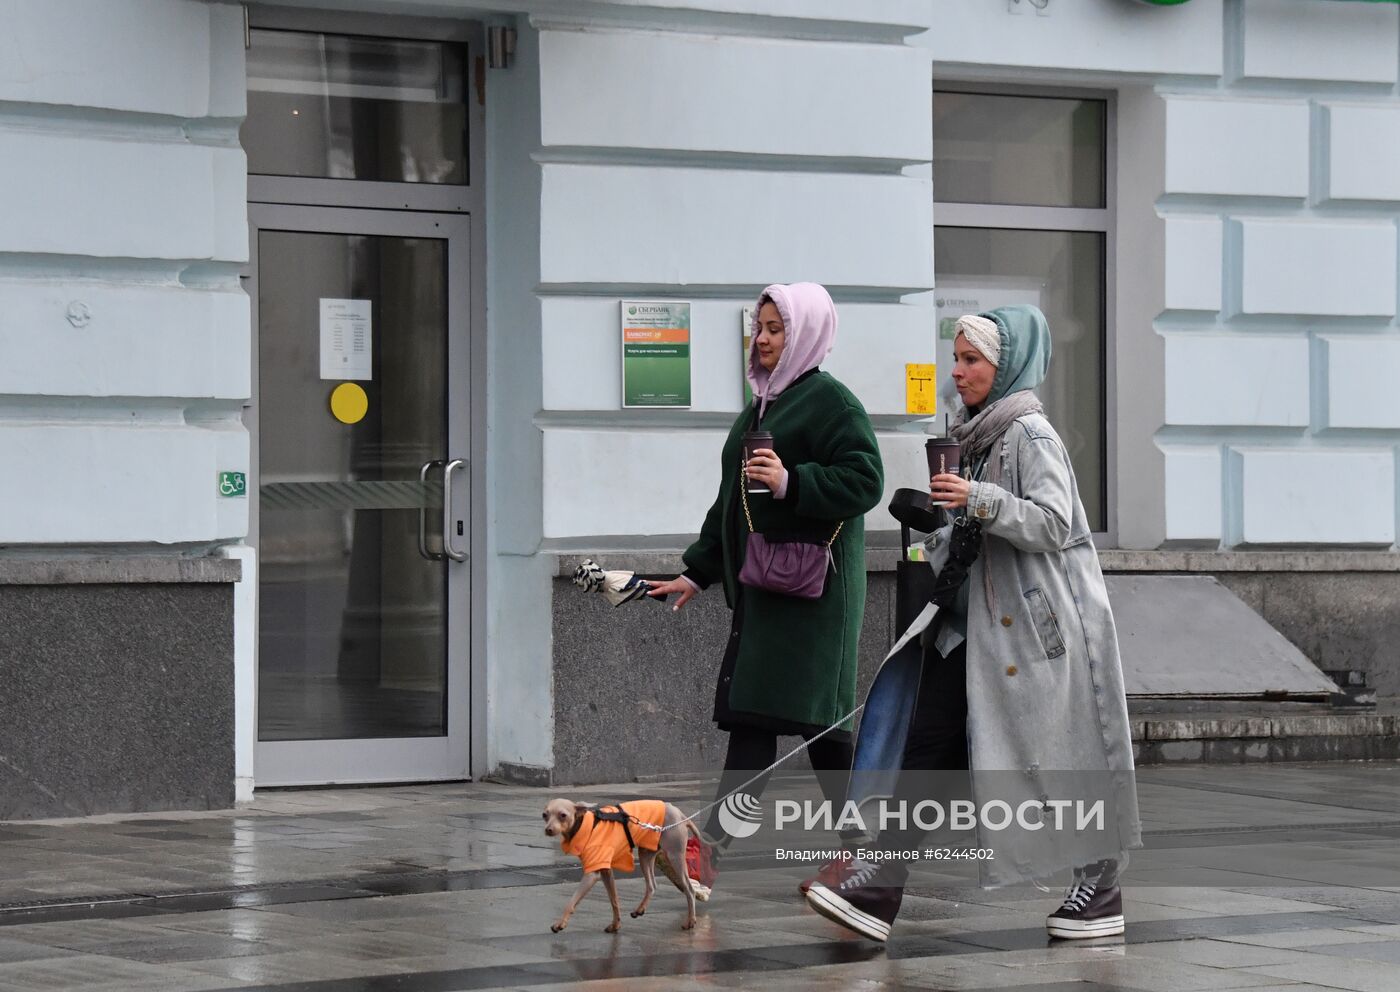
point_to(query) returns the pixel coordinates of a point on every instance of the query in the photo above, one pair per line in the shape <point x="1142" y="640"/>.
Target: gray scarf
<point x="978" y="437"/>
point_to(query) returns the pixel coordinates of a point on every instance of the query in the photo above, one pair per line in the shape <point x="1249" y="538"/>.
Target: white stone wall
<point x="746" y="159"/>
<point x="991" y="38"/>
<point x="123" y="328"/>
<point x="1259" y="188"/>
<point x="1281" y="175"/>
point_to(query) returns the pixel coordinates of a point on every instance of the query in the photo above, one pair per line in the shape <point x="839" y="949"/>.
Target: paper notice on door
<point x="346" y="340"/>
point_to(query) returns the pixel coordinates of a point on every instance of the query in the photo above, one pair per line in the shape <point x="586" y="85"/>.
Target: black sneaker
<point x="867" y="901"/>
<point x="1093" y="906"/>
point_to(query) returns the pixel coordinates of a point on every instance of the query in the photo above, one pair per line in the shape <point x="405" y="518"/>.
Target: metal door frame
<point x="404" y="199"/>
<point x="393" y="759"/>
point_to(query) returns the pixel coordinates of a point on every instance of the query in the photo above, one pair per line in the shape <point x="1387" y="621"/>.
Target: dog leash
<point x="913" y="630"/>
<point x="740" y="788"/>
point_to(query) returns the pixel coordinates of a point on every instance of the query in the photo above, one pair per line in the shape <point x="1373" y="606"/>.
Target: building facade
<point x="312" y="317"/>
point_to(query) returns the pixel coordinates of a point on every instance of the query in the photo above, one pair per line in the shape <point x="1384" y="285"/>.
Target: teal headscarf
<point x="1024" y="359"/>
<point x="1025" y="350"/>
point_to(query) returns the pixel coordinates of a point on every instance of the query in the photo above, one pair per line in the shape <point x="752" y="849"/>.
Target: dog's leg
<point x="673" y="840"/>
<point x="611" y="886"/>
<point x="648" y="859"/>
<point x="584" y="885"/>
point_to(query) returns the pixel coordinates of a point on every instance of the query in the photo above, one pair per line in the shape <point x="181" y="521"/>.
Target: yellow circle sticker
<point x="349" y="403"/>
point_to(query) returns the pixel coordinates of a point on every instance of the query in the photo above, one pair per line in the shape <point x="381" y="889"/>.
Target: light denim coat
<point x="1047" y="718"/>
<point x="1044" y="679"/>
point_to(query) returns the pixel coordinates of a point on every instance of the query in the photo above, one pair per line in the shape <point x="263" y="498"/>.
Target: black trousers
<point x="752" y="748"/>
<point x="937" y="742"/>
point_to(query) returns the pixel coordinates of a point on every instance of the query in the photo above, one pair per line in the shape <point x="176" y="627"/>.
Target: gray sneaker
<point x="1093" y="905"/>
<point x="866" y="901"/>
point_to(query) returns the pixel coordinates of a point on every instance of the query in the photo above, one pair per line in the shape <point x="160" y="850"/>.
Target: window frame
<point x="1101" y="220"/>
<point x="430" y="197"/>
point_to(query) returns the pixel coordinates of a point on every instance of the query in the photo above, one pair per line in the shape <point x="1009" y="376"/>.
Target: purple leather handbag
<point x="787" y="565"/>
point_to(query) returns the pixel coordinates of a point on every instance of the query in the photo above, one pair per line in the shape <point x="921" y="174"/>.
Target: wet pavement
<point x="439" y="888"/>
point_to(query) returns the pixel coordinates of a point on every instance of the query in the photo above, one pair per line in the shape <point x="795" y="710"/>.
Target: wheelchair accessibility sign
<point x="233" y="484"/>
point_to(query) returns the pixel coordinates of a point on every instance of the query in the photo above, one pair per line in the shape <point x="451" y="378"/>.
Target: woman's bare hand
<point x="678" y="587"/>
<point x="950" y="490"/>
<point x="766" y="467"/>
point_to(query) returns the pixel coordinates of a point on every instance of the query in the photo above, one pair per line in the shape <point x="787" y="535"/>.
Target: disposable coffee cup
<point x="944" y="456"/>
<point x="753" y="440"/>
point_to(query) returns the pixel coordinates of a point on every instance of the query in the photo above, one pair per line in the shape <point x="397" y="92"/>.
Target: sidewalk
<point x="454" y="887"/>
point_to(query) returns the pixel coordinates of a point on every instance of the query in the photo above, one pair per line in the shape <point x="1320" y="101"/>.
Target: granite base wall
<point x="1340" y="620"/>
<point x="117" y="698"/>
<point x="634" y="686"/>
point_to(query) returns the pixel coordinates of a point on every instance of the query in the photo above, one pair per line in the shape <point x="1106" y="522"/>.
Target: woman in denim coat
<point x="1022" y="682"/>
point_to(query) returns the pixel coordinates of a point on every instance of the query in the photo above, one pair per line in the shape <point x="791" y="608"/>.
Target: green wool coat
<point x="797" y="657"/>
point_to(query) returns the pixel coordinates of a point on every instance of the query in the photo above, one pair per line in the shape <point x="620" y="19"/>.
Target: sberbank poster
<point x="655" y="353"/>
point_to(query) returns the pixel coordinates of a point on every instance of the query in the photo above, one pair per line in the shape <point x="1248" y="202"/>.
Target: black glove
<point x="964" y="545"/>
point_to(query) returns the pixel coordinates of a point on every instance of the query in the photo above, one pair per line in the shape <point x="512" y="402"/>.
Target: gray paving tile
<point x="80" y="935"/>
<point x="173" y="948"/>
<point x="13" y="950"/>
<point x="465" y="956"/>
<point x="295" y="967"/>
<point x="1357" y="976"/>
<point x="1309" y="938"/>
<point x="1151" y="975"/>
<point x="1294" y="987"/>
<point x="1377" y="950"/>
<point x="88" y="971"/>
<point x="1220" y="902"/>
<point x="679" y="984"/>
<point x="1222" y="953"/>
<point x="1383" y="930"/>
<point x="372" y="945"/>
<point x="249" y="924"/>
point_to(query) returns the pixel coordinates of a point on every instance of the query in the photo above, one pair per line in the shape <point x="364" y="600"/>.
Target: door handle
<point x="447" y="516"/>
<point x="423" y="513"/>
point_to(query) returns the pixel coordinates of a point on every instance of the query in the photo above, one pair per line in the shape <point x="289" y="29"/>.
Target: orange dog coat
<point x="603" y="844"/>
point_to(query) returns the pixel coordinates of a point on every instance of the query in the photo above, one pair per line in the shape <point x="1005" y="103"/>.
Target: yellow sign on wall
<point x="920" y="394"/>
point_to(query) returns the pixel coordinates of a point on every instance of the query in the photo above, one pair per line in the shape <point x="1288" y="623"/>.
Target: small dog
<point x="605" y="845"/>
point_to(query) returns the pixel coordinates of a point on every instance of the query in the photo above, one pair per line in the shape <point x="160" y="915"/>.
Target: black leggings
<point x="751" y="748"/>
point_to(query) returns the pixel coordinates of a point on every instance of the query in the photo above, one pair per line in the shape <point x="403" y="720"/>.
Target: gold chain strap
<point x="744" y="492"/>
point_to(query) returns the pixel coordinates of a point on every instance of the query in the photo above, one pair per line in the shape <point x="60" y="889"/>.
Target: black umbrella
<point x="915" y="584"/>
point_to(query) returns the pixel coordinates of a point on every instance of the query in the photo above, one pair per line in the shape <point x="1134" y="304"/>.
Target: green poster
<point x="655" y="353"/>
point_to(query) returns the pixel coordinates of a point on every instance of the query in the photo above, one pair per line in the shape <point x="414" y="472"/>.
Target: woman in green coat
<point x="790" y="663"/>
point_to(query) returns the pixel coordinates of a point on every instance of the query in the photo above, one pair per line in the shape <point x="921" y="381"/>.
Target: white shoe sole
<point x="838" y="910"/>
<point x="1106" y="926"/>
<point x="702" y="892"/>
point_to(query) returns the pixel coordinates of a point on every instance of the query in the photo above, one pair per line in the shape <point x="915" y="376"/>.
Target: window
<point x="1022" y="213"/>
<point x="342" y="107"/>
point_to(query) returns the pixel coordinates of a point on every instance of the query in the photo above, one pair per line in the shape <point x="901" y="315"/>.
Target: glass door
<point x="362" y="476"/>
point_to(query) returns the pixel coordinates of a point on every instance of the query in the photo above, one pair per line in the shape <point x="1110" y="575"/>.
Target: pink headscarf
<point x="809" y="324"/>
